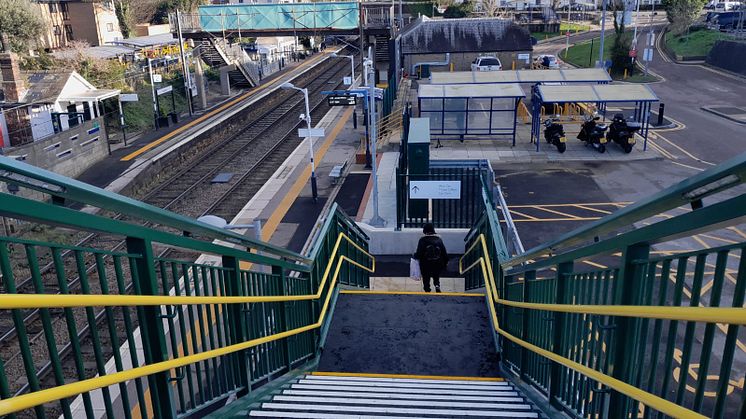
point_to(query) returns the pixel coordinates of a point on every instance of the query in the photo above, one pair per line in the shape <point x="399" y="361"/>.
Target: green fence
<point x="179" y="335"/>
<point x="657" y="332"/>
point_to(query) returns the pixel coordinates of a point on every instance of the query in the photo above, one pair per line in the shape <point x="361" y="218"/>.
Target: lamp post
<point x="376" y="221"/>
<point x="307" y="117"/>
<point x="352" y="64"/>
<point x="603" y="34"/>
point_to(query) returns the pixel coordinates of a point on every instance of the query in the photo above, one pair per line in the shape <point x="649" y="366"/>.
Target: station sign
<point x="128" y="97"/>
<point x="347" y="80"/>
<point x="157" y="78"/>
<point x="164" y="90"/>
<point x="342" y="100"/>
<point x="313" y="132"/>
<point x="435" y="189"/>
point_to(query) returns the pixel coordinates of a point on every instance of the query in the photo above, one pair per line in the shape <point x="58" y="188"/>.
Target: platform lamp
<point x="220" y="222"/>
<point x="352" y="64"/>
<point x="307" y="117"/>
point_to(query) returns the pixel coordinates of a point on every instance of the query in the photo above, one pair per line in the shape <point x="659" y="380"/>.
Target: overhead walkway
<point x="139" y="330"/>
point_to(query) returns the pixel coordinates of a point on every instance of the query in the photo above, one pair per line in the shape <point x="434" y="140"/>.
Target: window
<point x="57" y="31"/>
<point x="110" y="27"/>
<point x="52" y="7"/>
<point x="69" y="32"/>
<point x="63" y="9"/>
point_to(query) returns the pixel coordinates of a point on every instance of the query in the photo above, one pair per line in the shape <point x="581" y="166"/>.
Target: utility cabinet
<point x="418" y="161"/>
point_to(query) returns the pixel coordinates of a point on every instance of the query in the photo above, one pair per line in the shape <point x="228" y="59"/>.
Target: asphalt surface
<point x="702" y="139"/>
<point x="410" y="334"/>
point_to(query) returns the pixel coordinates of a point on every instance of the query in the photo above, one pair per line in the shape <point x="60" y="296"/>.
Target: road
<point x="702" y="139"/>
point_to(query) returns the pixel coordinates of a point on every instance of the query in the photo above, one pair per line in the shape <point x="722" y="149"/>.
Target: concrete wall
<point x="387" y="241"/>
<point x="462" y="60"/>
<point x="68" y="153"/>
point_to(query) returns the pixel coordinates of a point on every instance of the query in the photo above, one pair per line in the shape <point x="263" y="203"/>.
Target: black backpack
<point x="432" y="253"/>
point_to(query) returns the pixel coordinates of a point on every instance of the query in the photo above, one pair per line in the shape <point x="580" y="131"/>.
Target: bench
<point x="337" y="171"/>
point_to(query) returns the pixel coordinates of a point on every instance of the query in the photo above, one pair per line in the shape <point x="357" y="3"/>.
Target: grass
<point x="564" y="27"/>
<point x="697" y="43"/>
<point x="581" y="55"/>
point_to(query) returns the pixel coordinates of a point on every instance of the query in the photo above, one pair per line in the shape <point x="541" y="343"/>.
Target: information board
<point x="435" y="189"/>
<point x="342" y="100"/>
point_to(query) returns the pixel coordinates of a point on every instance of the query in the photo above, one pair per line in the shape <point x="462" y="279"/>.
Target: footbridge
<point x="252" y="329"/>
<point x="286" y="19"/>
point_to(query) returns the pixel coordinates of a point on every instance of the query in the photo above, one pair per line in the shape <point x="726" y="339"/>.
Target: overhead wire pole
<point x="185" y="66"/>
<point x="603" y="34"/>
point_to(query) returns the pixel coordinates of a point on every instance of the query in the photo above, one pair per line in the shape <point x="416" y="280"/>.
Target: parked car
<point x="725" y="6"/>
<point x="486" y="63"/>
<point x="547" y="61"/>
<point x="729" y="20"/>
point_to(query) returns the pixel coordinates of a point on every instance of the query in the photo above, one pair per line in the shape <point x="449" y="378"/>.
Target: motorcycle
<point x="592" y="133"/>
<point x="554" y="133"/>
<point x="623" y="132"/>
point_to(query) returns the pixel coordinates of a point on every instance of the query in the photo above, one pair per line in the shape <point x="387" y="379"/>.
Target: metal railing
<point x="166" y="335"/>
<point x="654" y="334"/>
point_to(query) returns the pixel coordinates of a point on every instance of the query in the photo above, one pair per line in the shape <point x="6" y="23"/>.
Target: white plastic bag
<point x="414" y="269"/>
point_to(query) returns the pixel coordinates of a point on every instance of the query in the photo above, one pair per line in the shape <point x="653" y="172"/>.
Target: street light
<point x="307" y="117"/>
<point x="352" y="63"/>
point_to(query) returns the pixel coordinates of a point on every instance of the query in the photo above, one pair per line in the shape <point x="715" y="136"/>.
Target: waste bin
<point x="174" y="117"/>
<point x="162" y="121"/>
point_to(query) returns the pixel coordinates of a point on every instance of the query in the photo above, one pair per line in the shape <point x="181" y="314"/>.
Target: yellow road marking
<point x="530" y="217"/>
<point x="445" y="294"/>
<point x="622" y="203"/>
<point x="592" y="209"/>
<point x="540" y="207"/>
<point x="690" y="155"/>
<point x="719" y="238"/>
<point x="208" y="115"/>
<point x="687" y="166"/>
<point x="419" y="377"/>
<point x="559" y="219"/>
<point x="737" y="230"/>
<point x="660" y="149"/>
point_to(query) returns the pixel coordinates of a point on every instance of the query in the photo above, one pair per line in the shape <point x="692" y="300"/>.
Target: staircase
<point x="382" y="48"/>
<point x="218" y="54"/>
<point x="365" y="396"/>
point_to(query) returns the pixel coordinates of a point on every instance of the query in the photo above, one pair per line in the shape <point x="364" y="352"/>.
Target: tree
<point x="682" y="14"/>
<point x="620" y="59"/>
<point x="455" y="11"/>
<point x="20" y="24"/>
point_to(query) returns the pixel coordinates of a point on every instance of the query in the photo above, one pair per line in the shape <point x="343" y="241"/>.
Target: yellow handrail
<point x="36" y="398"/>
<point x="662" y="405"/>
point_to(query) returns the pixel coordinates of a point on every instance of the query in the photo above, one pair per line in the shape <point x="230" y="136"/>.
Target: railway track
<point x="254" y="153"/>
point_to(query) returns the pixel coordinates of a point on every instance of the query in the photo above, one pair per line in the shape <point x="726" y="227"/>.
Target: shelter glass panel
<point x="431" y="105"/>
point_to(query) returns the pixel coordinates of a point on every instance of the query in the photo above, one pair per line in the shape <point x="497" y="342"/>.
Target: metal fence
<point x="655" y="334"/>
<point x="130" y="323"/>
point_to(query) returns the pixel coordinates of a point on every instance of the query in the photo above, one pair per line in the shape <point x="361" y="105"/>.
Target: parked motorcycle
<point x="623" y="132"/>
<point x="554" y="133"/>
<point x="592" y="133"/>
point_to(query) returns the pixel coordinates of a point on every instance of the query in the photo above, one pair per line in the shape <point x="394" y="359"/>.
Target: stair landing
<point x="413" y="334"/>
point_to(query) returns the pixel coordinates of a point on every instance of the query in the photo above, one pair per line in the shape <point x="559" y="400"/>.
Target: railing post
<point x="237" y="319"/>
<point x="626" y="293"/>
<point x="278" y="271"/>
<point x="563" y="269"/>
<point x="151" y="326"/>
<point x="528" y="276"/>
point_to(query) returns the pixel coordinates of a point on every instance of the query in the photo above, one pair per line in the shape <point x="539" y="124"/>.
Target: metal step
<point x="382" y="397"/>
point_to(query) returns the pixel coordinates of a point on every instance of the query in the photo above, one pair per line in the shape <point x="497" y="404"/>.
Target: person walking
<point x="432" y="255"/>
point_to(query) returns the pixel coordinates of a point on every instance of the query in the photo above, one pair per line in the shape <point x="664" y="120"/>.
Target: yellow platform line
<point x="410" y="376"/>
<point x="207" y="116"/>
<point x="439" y="294"/>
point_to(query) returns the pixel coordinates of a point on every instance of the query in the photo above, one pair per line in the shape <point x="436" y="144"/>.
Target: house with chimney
<point x="52" y="119"/>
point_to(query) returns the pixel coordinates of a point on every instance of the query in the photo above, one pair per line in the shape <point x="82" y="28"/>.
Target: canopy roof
<point x="579" y="75"/>
<point x="469" y="90"/>
<point x="597" y="93"/>
<point x="90" y="95"/>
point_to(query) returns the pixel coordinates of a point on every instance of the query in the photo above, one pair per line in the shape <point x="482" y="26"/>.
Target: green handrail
<point x="55" y="185"/>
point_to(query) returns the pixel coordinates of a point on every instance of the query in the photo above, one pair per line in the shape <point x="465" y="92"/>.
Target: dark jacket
<point x="431" y="252"/>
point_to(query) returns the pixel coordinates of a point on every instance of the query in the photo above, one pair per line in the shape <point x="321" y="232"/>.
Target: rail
<point x="657" y="333"/>
<point x="186" y="334"/>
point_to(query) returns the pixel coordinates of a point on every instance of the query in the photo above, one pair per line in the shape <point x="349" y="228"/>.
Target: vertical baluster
<point x="93" y="330"/>
<point x="730" y="343"/>
<point x="527" y="278"/>
<point x="672" y="328"/>
<point x="721" y="263"/>
<point x="129" y="329"/>
<point x="54" y="356"/>
<point x="229" y="327"/>
<point x="563" y="270"/>
<point x="699" y="271"/>
<point x="628" y="284"/>
<point x="195" y="328"/>
<point x="170" y="313"/>
<point x="217" y="324"/>
<point x="23" y="342"/>
<point x="657" y="330"/>
<point x="113" y="333"/>
<point x="183" y="334"/>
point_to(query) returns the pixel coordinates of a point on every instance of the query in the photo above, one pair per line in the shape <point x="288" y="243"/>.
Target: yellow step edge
<point x="418" y="377"/>
<point x="441" y="294"/>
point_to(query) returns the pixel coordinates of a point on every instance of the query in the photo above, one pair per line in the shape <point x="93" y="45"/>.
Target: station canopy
<point x="470" y="91"/>
<point x="602" y="93"/>
<point x="579" y="75"/>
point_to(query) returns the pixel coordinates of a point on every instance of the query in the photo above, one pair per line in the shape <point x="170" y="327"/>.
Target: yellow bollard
<point x="451" y="67"/>
<point x="625" y="74"/>
<point x="513" y="65"/>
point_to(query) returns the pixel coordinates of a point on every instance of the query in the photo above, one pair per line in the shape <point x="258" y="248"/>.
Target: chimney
<point x="13" y="83"/>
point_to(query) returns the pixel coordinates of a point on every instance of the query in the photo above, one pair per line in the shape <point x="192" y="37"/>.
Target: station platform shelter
<point x="578" y="75"/>
<point x="477" y="110"/>
<point x="161" y="315"/>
